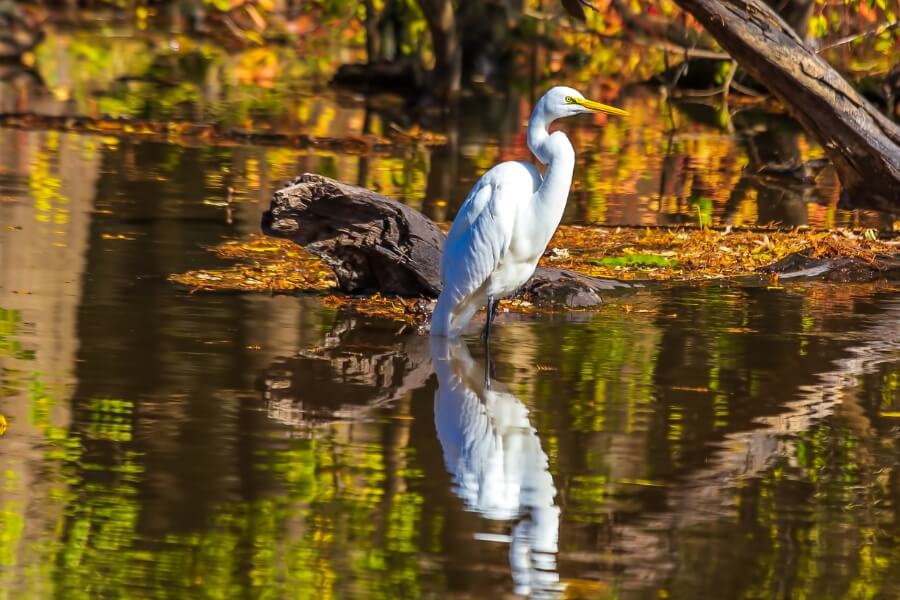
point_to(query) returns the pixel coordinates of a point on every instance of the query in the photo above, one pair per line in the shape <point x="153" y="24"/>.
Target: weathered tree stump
<point x="863" y="143"/>
<point x="375" y="244"/>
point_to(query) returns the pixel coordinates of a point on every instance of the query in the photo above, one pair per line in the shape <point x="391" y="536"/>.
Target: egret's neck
<point x="556" y="152"/>
<point x="539" y="134"/>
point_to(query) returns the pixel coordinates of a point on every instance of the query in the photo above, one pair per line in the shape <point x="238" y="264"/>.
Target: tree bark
<point x="863" y="144"/>
<point x="375" y="244"/>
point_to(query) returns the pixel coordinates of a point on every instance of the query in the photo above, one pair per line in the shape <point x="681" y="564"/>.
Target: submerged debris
<point x="279" y="265"/>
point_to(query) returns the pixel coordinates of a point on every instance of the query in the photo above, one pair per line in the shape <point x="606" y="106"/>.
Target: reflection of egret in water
<point x="497" y="463"/>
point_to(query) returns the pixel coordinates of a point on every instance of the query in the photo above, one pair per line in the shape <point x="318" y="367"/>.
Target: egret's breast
<point x="509" y="276"/>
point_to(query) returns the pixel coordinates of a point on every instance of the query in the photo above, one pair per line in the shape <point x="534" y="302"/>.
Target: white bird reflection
<point x="497" y="464"/>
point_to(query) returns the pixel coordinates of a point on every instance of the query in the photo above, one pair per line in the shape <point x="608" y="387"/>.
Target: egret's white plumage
<point x="508" y="218"/>
<point x="498" y="466"/>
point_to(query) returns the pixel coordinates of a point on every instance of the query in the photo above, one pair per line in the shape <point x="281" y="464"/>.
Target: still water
<point x="693" y="442"/>
<point x="699" y="442"/>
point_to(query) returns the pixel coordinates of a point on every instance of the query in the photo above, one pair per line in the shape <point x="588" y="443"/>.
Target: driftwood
<point x="862" y="142"/>
<point x="841" y="269"/>
<point x="375" y="244"/>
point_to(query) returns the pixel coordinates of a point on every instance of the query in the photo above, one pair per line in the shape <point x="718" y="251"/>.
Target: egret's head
<point x="563" y="101"/>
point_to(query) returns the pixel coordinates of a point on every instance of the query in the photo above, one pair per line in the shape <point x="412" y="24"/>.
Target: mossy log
<point x="375" y="244"/>
<point x="863" y="143"/>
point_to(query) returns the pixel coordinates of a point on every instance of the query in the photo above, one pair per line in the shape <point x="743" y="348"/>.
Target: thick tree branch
<point x="863" y="143"/>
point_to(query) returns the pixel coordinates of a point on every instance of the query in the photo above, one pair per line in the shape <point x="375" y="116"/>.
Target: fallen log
<point x="863" y="144"/>
<point x="375" y="244"/>
<point x="211" y="134"/>
<point x="840" y="269"/>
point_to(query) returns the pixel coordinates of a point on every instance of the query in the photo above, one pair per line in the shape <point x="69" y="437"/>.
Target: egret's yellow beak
<point x="598" y="107"/>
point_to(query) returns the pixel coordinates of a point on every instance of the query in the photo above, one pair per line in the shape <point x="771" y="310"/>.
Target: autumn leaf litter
<point x="635" y="254"/>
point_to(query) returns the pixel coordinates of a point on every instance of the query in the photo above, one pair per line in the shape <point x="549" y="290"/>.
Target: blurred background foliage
<point x="860" y="37"/>
<point x="267" y="67"/>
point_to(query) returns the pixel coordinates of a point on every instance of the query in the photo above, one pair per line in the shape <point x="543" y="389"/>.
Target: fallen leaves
<point x="271" y="265"/>
<point x="692" y="254"/>
<point x="278" y="265"/>
<point x="402" y="309"/>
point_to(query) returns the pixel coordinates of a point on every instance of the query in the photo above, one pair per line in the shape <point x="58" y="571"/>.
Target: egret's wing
<point x="480" y="236"/>
<point x="478" y="198"/>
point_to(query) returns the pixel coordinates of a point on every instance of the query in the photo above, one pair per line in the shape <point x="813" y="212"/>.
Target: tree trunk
<point x="863" y="144"/>
<point x="373" y="45"/>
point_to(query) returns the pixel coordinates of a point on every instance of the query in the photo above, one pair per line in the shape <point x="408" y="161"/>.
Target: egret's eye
<point x="570" y="100"/>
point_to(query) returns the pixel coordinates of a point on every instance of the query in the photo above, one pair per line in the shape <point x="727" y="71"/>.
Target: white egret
<point x="498" y="466"/>
<point x="508" y="218"/>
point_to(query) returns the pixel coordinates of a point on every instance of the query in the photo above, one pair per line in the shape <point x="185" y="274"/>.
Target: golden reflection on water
<point x="163" y="444"/>
<point x="667" y="164"/>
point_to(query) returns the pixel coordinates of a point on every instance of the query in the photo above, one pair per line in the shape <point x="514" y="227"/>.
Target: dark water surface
<point x="708" y="442"/>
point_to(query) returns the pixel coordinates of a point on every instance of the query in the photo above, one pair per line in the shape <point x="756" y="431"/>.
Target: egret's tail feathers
<point x="450" y="318"/>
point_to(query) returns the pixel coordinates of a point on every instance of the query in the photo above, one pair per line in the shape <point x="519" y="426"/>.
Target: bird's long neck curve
<point x="556" y="152"/>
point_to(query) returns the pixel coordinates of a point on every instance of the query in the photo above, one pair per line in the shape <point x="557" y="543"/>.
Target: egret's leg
<point x="491" y="311"/>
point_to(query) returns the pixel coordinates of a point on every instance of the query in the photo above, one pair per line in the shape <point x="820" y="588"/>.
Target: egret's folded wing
<point x="471" y="208"/>
<point x="479" y="237"/>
